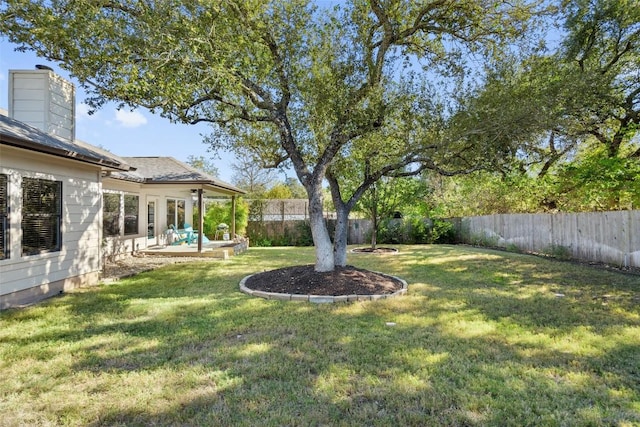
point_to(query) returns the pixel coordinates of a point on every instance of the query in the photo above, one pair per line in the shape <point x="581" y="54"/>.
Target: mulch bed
<point x="304" y="280"/>
<point x="375" y="251"/>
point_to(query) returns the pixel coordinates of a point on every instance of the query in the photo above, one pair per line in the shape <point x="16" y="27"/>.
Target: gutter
<point x="20" y="143"/>
<point x="199" y="182"/>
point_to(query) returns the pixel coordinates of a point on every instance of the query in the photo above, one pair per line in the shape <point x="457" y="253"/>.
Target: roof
<point x="167" y="170"/>
<point x="18" y="134"/>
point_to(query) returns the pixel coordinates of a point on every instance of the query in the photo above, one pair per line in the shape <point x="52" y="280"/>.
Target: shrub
<point x="443" y="232"/>
<point x="218" y="213"/>
<point x="485" y="240"/>
<point x="303" y="234"/>
<point x="261" y="242"/>
<point x="418" y="230"/>
<point x="415" y="230"/>
<point x="558" y="251"/>
<point x="390" y="231"/>
<point x="268" y="234"/>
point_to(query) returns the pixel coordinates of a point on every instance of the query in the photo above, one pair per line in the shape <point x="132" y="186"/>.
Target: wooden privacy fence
<point x="607" y="237"/>
<point x="280" y="209"/>
<point x="282" y="221"/>
<point x="359" y="230"/>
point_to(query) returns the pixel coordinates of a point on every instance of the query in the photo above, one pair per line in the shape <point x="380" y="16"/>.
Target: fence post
<point x="282" y="216"/>
<point x="627" y="251"/>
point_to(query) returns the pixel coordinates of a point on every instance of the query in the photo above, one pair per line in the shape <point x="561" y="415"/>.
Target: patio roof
<point x="167" y="170"/>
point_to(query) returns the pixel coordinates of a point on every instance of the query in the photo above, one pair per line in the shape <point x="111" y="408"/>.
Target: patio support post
<point x="233" y="217"/>
<point x="200" y="220"/>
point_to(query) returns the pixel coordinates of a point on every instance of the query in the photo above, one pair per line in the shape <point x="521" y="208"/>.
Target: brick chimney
<point x="43" y="100"/>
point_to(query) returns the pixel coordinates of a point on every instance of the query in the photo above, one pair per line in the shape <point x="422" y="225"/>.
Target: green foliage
<point x="242" y="215"/>
<point x="485" y="240"/>
<point x="485" y="193"/>
<point x="511" y="247"/>
<point x="390" y="231"/>
<point x="218" y="213"/>
<point x="576" y="145"/>
<point x="590" y="182"/>
<point x="389" y="195"/>
<point x="303" y="234"/>
<point x="260" y="241"/>
<point x="279" y="191"/>
<point x="297" y="190"/>
<point x="298" y="235"/>
<point x="598" y="183"/>
<point x="442" y="232"/>
<point x="330" y="91"/>
<point x="415" y="230"/>
<point x="559" y="251"/>
<point x="203" y="164"/>
<point x="419" y="230"/>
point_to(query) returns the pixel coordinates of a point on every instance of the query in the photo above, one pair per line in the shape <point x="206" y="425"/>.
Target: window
<point x="41" y="216"/>
<point x="110" y="214"/>
<point x="175" y="212"/>
<point x="131" y="209"/>
<point x="4" y="217"/>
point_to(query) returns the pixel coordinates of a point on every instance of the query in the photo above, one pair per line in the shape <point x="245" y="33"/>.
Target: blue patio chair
<point x="185" y="235"/>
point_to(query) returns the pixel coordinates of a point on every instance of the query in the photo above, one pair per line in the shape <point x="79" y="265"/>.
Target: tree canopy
<point x="203" y="164"/>
<point x="356" y="89"/>
<point x="249" y="175"/>
<point x="576" y="146"/>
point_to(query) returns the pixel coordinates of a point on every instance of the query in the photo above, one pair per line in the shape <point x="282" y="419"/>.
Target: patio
<point x="212" y="249"/>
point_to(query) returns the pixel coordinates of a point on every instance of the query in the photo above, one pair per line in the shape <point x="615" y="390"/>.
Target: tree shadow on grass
<point x="532" y="292"/>
<point x="357" y="370"/>
<point x="461" y="350"/>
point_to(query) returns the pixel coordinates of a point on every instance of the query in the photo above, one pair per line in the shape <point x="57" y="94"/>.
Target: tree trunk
<point x="374" y="217"/>
<point x="614" y="146"/>
<point x="341" y="236"/>
<point x="320" y="233"/>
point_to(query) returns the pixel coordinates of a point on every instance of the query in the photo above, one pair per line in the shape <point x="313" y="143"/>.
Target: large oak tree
<point x="348" y="90"/>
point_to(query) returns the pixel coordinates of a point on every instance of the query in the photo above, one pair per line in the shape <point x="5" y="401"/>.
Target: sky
<point x="124" y="133"/>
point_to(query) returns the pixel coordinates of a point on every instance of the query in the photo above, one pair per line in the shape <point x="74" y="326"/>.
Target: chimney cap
<point x="43" y="67"/>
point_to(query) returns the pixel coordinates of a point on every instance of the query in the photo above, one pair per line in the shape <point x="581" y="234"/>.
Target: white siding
<point x="81" y="221"/>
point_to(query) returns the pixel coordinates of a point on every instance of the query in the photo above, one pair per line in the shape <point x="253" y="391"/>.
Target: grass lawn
<point x="482" y="338"/>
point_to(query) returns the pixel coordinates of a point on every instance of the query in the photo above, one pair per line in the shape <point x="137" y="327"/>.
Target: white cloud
<point x="82" y="112"/>
<point x="130" y="119"/>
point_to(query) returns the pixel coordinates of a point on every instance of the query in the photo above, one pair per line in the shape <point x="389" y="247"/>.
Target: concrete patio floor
<point x="214" y="249"/>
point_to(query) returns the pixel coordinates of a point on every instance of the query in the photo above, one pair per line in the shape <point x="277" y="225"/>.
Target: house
<point x="65" y="205"/>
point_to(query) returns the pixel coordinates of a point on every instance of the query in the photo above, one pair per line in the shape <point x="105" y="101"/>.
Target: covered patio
<point x="172" y="191"/>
